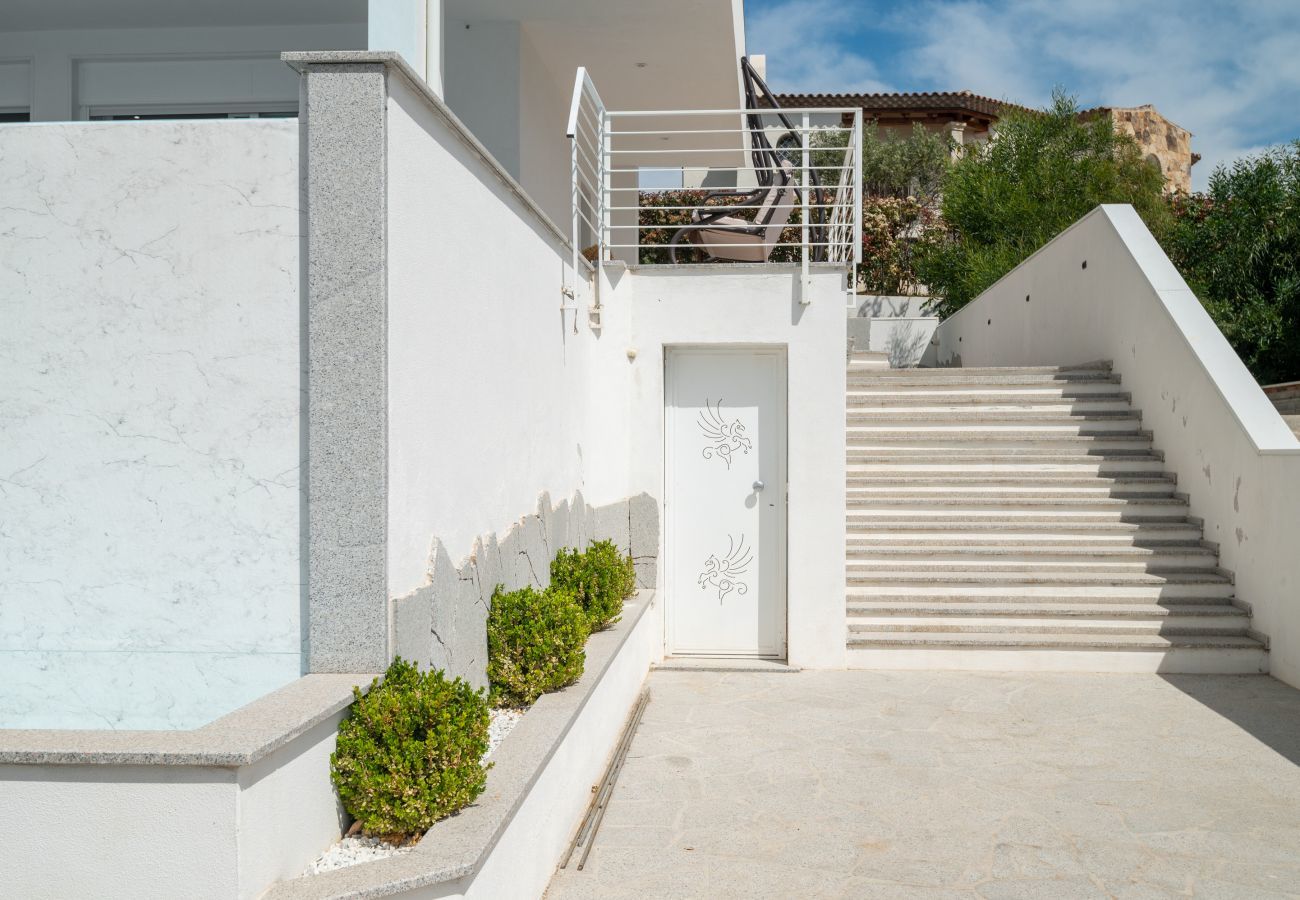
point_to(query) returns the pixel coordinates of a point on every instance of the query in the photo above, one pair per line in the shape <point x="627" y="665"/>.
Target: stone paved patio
<point x="954" y="785"/>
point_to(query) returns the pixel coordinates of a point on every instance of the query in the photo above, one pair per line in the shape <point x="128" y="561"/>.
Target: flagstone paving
<point x="954" y="785"/>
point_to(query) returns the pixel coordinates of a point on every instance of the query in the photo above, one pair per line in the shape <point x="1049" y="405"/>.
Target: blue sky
<point x="1229" y="71"/>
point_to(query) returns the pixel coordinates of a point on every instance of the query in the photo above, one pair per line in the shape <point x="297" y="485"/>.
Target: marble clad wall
<point x="150" y="384"/>
<point x="443" y="624"/>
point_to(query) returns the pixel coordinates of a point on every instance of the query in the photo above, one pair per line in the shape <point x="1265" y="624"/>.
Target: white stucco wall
<point x="160" y="831"/>
<point x="1233" y="454"/>
<point x="487" y="376"/>
<point x="545" y="157"/>
<point x="71" y="69"/>
<point x="481" y="84"/>
<point x="149" y="520"/>
<point x="753" y="306"/>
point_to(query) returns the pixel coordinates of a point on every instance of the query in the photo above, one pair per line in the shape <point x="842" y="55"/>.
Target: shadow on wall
<point x="1263" y="707"/>
<point x="443" y="624"/>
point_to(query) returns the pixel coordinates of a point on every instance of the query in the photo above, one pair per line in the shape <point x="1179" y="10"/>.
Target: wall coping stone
<point x="455" y="847"/>
<point x="239" y="738"/>
<point x="393" y="61"/>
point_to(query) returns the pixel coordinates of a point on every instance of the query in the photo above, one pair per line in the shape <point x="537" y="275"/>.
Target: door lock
<point x="758" y="485"/>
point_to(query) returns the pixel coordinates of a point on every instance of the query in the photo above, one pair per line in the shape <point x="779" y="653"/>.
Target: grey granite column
<point x="344" y="155"/>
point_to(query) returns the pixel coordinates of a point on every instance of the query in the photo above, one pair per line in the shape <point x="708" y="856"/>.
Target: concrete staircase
<point x="1020" y="519"/>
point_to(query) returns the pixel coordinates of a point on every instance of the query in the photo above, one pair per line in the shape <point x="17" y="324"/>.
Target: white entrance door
<point x="725" y="502"/>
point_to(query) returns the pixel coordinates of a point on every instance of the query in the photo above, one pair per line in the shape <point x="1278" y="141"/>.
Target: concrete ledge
<point x="225" y="810"/>
<point x="507" y="843"/>
<point x="237" y="739"/>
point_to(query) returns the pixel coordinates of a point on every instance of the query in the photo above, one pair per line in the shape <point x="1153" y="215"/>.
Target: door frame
<point x="781" y="354"/>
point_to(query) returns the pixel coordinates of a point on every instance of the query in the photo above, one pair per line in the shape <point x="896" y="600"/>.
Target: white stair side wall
<point x="1232" y="451"/>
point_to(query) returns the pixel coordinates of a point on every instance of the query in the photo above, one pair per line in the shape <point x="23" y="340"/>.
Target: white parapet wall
<point x="150" y="362"/>
<point x="217" y="812"/>
<point x="1104" y="289"/>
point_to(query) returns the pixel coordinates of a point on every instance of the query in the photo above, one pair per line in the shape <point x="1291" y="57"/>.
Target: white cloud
<point x="1228" y="72"/>
<point x="803" y="40"/>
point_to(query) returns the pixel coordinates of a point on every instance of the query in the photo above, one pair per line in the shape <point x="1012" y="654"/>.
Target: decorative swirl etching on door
<point x="724" y="573"/>
<point x="725" y="437"/>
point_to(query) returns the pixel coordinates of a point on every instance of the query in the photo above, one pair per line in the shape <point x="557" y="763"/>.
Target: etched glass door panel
<point x="725" y="502"/>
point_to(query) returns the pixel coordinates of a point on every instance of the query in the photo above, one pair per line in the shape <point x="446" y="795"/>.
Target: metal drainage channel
<point x="586" y="835"/>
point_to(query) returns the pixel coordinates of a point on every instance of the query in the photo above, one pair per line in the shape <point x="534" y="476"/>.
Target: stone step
<point x="1133" y="504"/>
<point x="1085" y="542"/>
<point x="1010" y="468"/>
<point x="959" y="372"/>
<point x="863" y="386"/>
<point x="1081" y="454"/>
<point x="981" y="417"/>
<point x="1068" y="596"/>
<point x="863" y="378"/>
<point x="1031" y="553"/>
<point x="1179" y="627"/>
<point x="1019" y="609"/>
<point x="1047" y="522"/>
<point x="1061" y="641"/>
<point x="1134" y="481"/>
<point x="964" y="433"/>
<point x="1029" y="577"/>
<point x="986" y="440"/>
<point x="1068" y="399"/>
<point x="1185" y="657"/>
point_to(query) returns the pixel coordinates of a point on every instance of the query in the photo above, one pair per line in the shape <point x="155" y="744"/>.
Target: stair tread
<point x="1020" y="609"/>
<point x="1057" y="640"/>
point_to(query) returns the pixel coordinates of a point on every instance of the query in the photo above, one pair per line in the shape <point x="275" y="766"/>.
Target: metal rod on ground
<point x="606" y="785"/>
<point x="600" y="811"/>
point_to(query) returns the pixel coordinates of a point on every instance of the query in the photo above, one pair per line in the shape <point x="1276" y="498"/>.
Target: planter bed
<point x="508" y="842"/>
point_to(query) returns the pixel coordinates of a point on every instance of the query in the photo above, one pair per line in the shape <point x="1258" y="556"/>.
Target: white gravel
<point x="353" y="850"/>
<point x="359" y="849"/>
<point x="503" y="722"/>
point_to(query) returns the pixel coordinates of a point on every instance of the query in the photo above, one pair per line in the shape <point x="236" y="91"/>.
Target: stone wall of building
<point x="1162" y="142"/>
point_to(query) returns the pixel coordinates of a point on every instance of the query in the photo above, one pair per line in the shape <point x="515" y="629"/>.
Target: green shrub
<point x="1041" y="173"/>
<point x="1238" y="246"/>
<point x="600" y="578"/>
<point x="410" y="752"/>
<point x="535" y="643"/>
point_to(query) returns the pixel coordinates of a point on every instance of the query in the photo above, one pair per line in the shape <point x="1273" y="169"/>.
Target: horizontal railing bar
<point x="747" y="169"/>
<point x="722" y="150"/>
<point x="712" y="209"/>
<point x="794" y="244"/>
<point x="646" y="113"/>
<point x="811" y="129"/>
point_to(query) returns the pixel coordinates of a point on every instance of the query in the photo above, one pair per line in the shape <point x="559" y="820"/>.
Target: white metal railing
<point x="793" y="183"/>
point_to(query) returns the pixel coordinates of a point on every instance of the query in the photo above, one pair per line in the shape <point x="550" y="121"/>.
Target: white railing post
<point x="805" y="185"/>
<point x="859" y="197"/>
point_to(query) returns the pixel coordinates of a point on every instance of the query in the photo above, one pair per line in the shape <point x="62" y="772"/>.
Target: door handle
<point x="758" y="485"/>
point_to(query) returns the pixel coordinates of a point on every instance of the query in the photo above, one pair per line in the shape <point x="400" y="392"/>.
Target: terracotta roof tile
<point x="960" y="100"/>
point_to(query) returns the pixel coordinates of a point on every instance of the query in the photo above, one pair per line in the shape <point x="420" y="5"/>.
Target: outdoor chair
<point x="719" y="233"/>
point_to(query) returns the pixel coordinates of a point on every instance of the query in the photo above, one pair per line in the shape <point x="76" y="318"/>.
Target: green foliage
<point x="600" y="578"/>
<point x="409" y="752"/>
<point x="535" y="643"/>
<point x="894" y="166"/>
<point x="1042" y="172"/>
<point x="1238" y="246"/>
<point x="894" y="232"/>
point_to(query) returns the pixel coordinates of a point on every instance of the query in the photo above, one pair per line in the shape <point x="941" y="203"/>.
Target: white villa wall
<point x="487" y="375"/>
<point x="543" y="147"/>
<point x="128" y="66"/>
<point x="150" y="356"/>
<point x="729" y="305"/>
<point x="481" y="85"/>
<point x="1233" y="454"/>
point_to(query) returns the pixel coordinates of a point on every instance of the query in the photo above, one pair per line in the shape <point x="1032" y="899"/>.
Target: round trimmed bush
<point x="599" y="578"/>
<point x="410" y="752"/>
<point x="535" y="643"/>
